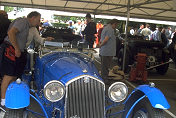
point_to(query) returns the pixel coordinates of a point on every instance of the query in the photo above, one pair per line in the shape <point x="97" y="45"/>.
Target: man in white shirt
<point x="34" y="35"/>
<point x="146" y="32"/>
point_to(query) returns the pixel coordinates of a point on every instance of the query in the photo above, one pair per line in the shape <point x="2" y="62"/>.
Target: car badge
<point x="84" y="71"/>
<point x="86" y="79"/>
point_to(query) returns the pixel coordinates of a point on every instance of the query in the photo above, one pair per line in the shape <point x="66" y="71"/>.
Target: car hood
<point x="64" y="66"/>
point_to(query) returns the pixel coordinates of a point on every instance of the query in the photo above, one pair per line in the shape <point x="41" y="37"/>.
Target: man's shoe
<point x="3" y="108"/>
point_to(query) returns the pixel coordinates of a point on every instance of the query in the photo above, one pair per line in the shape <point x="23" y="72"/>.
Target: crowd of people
<point x="160" y="34"/>
<point x="16" y="37"/>
<point x="87" y="29"/>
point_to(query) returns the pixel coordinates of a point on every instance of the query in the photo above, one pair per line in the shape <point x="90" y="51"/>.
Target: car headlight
<point x="54" y="91"/>
<point x="117" y="91"/>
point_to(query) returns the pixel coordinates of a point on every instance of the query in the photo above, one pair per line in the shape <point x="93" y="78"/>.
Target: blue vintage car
<point x="68" y="85"/>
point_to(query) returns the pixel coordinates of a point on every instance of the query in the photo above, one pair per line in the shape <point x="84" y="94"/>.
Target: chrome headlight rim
<point x="114" y="84"/>
<point x="50" y="82"/>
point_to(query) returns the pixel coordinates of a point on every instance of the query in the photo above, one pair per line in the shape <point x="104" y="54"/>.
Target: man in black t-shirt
<point x="4" y="25"/>
<point x="90" y="31"/>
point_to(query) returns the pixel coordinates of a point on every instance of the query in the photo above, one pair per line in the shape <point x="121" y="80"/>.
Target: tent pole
<point x="126" y="34"/>
<point x="94" y="18"/>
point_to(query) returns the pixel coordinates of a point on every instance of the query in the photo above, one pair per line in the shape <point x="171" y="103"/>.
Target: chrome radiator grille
<point x="85" y="98"/>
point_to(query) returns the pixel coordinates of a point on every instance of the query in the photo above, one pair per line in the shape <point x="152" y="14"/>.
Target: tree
<point x="8" y="9"/>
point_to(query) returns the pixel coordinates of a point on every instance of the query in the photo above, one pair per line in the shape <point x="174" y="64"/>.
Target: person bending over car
<point x="107" y="48"/>
<point x="4" y="25"/>
<point x="14" y="59"/>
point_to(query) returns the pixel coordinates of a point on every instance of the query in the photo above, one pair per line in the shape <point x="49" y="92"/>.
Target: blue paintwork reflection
<point x="155" y="96"/>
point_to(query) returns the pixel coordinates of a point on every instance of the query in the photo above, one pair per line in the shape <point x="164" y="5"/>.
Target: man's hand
<point x="49" y="38"/>
<point x="103" y="42"/>
<point x="17" y="53"/>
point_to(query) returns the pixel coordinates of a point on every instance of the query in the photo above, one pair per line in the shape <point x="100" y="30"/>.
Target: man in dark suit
<point x="90" y="31"/>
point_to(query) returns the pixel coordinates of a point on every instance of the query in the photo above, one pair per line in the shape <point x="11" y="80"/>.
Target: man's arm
<point x="158" y="36"/>
<point x="142" y="31"/>
<point x="104" y="41"/>
<point x="12" y="37"/>
<point x="39" y="39"/>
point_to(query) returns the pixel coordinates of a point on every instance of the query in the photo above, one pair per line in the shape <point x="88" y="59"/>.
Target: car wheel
<point x="120" y="61"/>
<point x="16" y="113"/>
<point x="144" y="110"/>
<point x="162" y="69"/>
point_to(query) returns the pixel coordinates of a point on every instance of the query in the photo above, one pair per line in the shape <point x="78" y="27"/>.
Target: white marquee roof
<point x="148" y="9"/>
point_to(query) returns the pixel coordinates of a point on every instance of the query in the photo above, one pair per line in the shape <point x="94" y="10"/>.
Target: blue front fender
<point x="155" y="96"/>
<point x="17" y="96"/>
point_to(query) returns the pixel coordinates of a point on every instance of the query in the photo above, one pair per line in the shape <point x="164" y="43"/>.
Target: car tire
<point x="162" y="69"/>
<point x="144" y="109"/>
<point x="16" y="113"/>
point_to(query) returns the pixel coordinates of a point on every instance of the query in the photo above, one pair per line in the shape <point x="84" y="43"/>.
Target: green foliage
<point x="19" y="9"/>
<point x="162" y="25"/>
<point x="65" y="19"/>
<point x="73" y="18"/>
<point x="121" y="26"/>
<point x="8" y="9"/>
<point x="11" y="20"/>
<point x="60" y="25"/>
<point x="103" y="21"/>
<point x="61" y="18"/>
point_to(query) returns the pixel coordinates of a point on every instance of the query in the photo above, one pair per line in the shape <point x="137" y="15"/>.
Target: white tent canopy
<point x="147" y="9"/>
